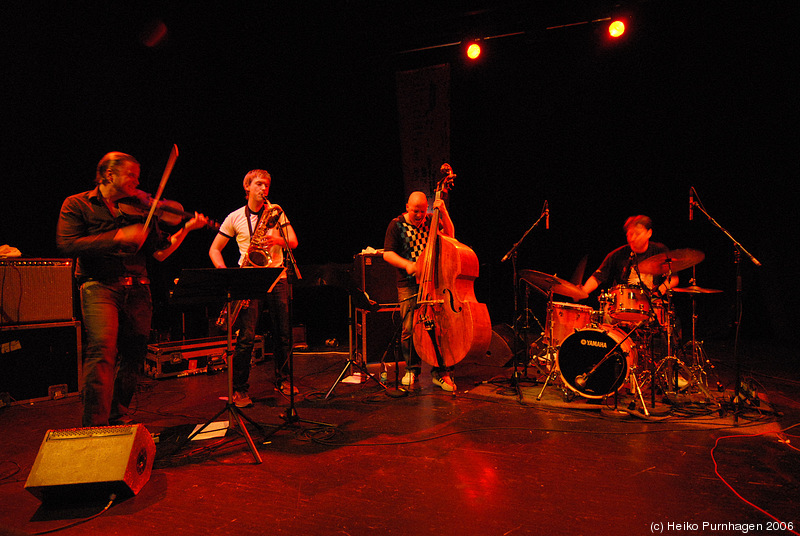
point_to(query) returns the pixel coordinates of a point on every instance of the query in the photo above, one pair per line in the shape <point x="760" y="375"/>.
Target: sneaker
<point x="284" y="386"/>
<point x="445" y="382"/>
<point x="409" y="378"/>
<point x="242" y="400"/>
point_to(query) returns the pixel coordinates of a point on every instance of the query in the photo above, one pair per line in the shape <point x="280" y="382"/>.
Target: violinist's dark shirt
<point x="86" y="230"/>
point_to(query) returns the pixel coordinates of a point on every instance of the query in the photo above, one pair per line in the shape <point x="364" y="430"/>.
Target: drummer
<point x="620" y="267"/>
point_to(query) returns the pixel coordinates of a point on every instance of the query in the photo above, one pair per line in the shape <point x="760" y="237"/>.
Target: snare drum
<point x="586" y="349"/>
<point x="628" y="304"/>
<point x="565" y="319"/>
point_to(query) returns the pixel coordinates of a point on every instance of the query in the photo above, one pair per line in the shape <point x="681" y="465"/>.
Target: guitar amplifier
<point x="376" y="277"/>
<point x="35" y="291"/>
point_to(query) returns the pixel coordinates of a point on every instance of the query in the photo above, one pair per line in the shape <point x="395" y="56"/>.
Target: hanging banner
<point x="423" y="104"/>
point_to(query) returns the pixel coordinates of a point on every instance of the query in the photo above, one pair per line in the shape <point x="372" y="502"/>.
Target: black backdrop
<point x="700" y="94"/>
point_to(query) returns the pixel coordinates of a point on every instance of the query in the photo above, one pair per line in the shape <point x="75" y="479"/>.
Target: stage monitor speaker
<point x="376" y="277"/>
<point x="501" y="348"/>
<point x="92" y="462"/>
<point x="36" y="290"/>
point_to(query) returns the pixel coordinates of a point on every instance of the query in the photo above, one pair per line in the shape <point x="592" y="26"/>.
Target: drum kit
<point x="594" y="353"/>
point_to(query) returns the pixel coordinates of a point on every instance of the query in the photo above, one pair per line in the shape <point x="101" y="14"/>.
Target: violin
<point x="167" y="211"/>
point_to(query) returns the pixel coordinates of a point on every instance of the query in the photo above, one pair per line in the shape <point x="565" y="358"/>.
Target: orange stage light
<point x="616" y="28"/>
<point x="473" y="50"/>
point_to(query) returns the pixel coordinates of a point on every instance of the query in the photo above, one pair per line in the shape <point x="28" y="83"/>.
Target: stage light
<point x="616" y="28"/>
<point x="473" y="50"/>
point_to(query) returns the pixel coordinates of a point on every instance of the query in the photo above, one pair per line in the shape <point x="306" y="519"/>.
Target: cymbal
<point x="545" y="283"/>
<point x="694" y="289"/>
<point x="677" y="260"/>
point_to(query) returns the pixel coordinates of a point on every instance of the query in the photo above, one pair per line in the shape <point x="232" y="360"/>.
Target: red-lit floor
<point x="482" y="462"/>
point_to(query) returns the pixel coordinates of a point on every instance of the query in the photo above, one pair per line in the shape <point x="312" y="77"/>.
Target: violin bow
<point x="173" y="155"/>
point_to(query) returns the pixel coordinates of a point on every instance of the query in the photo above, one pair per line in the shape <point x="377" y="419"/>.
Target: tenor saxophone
<point x="257" y="255"/>
<point x="258" y="252"/>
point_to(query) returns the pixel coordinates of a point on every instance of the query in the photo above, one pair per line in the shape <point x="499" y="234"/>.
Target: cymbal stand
<point x="679" y="369"/>
<point x="696" y="352"/>
<point x="550" y="350"/>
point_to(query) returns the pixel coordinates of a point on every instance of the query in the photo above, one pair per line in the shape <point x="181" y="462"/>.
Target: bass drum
<point x="585" y="349"/>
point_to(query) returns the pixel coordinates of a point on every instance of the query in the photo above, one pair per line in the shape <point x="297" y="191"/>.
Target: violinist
<point x="406" y="237"/>
<point x="111" y="247"/>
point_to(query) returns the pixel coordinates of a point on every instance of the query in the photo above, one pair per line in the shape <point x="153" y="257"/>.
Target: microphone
<point x="691" y="203"/>
<point x="581" y="380"/>
<point x="546" y="215"/>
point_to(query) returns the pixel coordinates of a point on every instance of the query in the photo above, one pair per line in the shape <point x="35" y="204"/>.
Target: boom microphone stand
<point x="512" y="254"/>
<point x="694" y="201"/>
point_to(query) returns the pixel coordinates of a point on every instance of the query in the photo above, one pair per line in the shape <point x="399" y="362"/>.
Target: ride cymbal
<point x="675" y="260"/>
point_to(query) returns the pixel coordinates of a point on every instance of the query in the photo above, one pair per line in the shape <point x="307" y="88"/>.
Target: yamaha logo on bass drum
<point x="596" y="344"/>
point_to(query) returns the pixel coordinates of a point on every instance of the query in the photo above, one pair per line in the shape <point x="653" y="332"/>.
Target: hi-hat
<point x="675" y="261"/>
<point x="546" y="283"/>
<point x="694" y="289"/>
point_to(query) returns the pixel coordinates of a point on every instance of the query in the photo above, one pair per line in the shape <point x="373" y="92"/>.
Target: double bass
<point x="449" y="323"/>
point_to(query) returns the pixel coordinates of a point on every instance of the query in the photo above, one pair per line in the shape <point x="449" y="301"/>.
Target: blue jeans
<point x="116" y="321"/>
<point x="277" y="304"/>
<point x="408" y="304"/>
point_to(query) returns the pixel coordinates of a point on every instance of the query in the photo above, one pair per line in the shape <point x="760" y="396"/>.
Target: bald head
<point x="417" y="198"/>
<point x="416" y="208"/>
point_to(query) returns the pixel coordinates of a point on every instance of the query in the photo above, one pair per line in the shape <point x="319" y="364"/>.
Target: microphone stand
<point x="739" y="249"/>
<point x="290" y="416"/>
<point x="512" y="254"/>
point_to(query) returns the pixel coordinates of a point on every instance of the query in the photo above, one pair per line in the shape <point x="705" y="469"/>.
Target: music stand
<point x="202" y="285"/>
<point x="359" y="299"/>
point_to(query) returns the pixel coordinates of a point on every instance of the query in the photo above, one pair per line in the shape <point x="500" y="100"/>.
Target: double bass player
<point x="406" y="237"/>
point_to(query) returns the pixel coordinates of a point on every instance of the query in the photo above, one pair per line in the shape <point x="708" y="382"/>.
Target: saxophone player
<point x="259" y="228"/>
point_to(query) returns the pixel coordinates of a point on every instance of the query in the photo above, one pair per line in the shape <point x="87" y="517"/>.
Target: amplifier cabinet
<point x="376" y="277"/>
<point x="192" y="356"/>
<point x="40" y="361"/>
<point x="36" y="290"/>
<point x="374" y="333"/>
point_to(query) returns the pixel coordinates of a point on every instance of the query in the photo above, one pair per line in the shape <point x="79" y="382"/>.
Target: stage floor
<point x="491" y="459"/>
